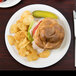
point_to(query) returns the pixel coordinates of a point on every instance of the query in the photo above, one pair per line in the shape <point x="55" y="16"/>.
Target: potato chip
<point x="19" y="36"/>
<point x="26" y="34"/>
<point x="22" y="26"/>
<point x="20" y="20"/>
<point x="23" y="52"/>
<point x="11" y="40"/>
<point x="29" y="47"/>
<point x="17" y="45"/>
<point x="27" y="20"/>
<point x="25" y="14"/>
<point x="24" y="43"/>
<point x="33" y="50"/>
<point x="14" y="28"/>
<point x="33" y="53"/>
<point x="33" y="56"/>
<point x="44" y="54"/>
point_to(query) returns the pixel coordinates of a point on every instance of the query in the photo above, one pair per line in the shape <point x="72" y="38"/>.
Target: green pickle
<point x="39" y="14"/>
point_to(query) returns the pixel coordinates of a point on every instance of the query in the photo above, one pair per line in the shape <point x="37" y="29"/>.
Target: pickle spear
<point x="39" y="14"/>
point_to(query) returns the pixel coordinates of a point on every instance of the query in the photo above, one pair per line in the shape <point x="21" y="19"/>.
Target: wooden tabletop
<point x="65" y="7"/>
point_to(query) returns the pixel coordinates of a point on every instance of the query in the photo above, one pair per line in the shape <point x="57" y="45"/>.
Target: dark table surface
<point x="65" y="7"/>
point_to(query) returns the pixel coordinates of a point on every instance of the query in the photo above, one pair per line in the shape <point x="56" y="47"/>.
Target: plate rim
<point x="4" y="6"/>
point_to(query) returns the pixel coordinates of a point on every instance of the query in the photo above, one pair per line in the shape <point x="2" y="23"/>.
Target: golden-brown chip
<point x="26" y="34"/>
<point x="25" y="14"/>
<point x="27" y="20"/>
<point x="19" y="36"/>
<point x="44" y="54"/>
<point x="29" y="47"/>
<point x="14" y="28"/>
<point x="20" y="20"/>
<point x="33" y="56"/>
<point x="11" y="40"/>
<point x="23" y="52"/>
<point x="33" y="53"/>
<point x="24" y="43"/>
<point x="17" y="45"/>
<point x="22" y="26"/>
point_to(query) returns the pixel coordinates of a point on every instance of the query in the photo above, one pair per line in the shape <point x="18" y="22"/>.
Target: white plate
<point x="56" y="54"/>
<point x="9" y="3"/>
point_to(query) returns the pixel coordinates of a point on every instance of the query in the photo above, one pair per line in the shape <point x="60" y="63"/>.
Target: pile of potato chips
<point x="20" y="39"/>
